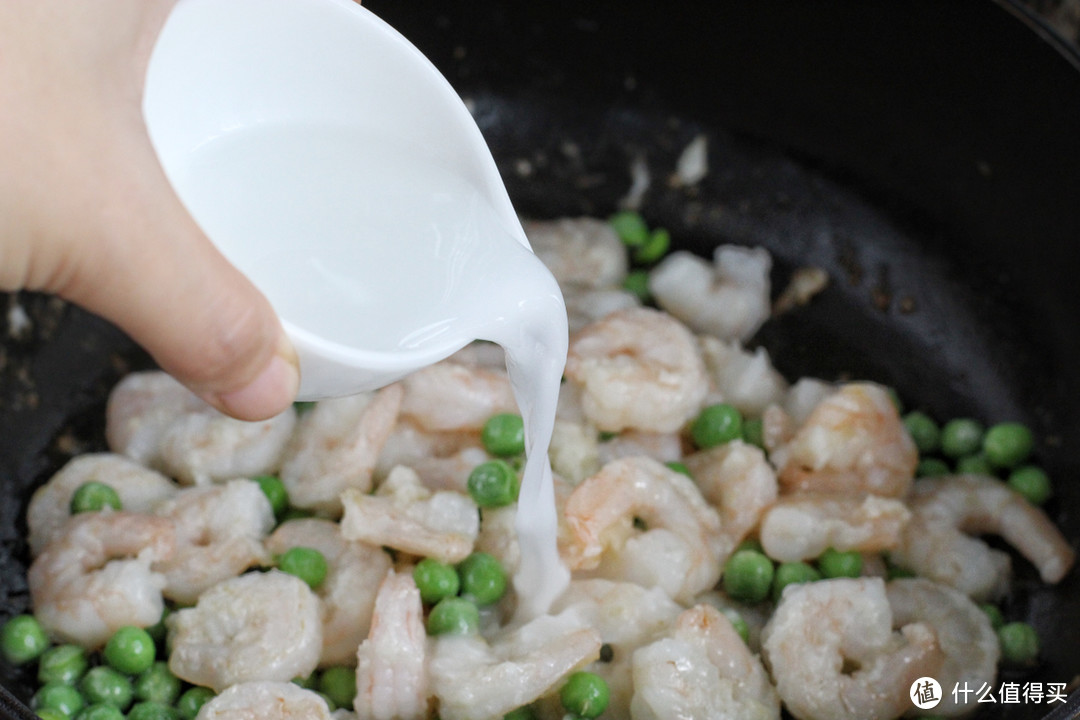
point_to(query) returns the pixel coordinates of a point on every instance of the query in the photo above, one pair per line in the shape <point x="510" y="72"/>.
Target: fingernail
<point x="270" y="393"/>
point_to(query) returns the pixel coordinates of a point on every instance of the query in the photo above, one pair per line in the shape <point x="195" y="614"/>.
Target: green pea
<point x="654" y="248"/>
<point x="792" y="573"/>
<point x="94" y="496"/>
<point x="23" y="639"/>
<point x="835" y="564"/>
<point x="148" y="710"/>
<point x="103" y="684"/>
<point x="931" y="467"/>
<point x="923" y="430"/>
<point x="435" y="580"/>
<point x="311" y="682"/>
<point x="636" y="283"/>
<point x="1019" y="643"/>
<point x="493" y="484"/>
<point x="1008" y="444"/>
<point x="275" y="492"/>
<point x="1032" y="482"/>
<point x="192" y="701"/>
<point x="54" y="714"/>
<point x="895" y="572"/>
<point x="679" y="468"/>
<point x="504" y="435"/>
<point x="99" y="711"/>
<point x="58" y="696"/>
<point x="522" y="713"/>
<point x="975" y="464"/>
<point x="716" y="425"/>
<point x="339" y="684"/>
<point x="453" y="616"/>
<point x="62" y="663"/>
<point x="748" y="575"/>
<point x="738" y="623"/>
<point x="130" y="650"/>
<point x="306" y="563"/>
<point x="997" y="620"/>
<point x="483" y="578"/>
<point x="585" y="694"/>
<point x="751" y="544"/>
<point x="630" y="227"/>
<point x="157" y="684"/>
<point x="303" y="406"/>
<point x="158" y="631"/>
<point x="960" y="437"/>
<point x="753" y="432"/>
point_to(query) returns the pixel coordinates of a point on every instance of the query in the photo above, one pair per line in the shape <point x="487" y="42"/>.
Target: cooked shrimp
<point x="259" y="626"/>
<point x="703" y="669"/>
<point x="95" y="576"/>
<point x="579" y="251"/>
<point x="354" y="572"/>
<point x="139" y="488"/>
<point x="158" y="422"/>
<point x="627" y="616"/>
<point x="265" y="701"/>
<point x="802" y="526"/>
<point x="852" y="442"/>
<point x="739" y="482"/>
<point x="833" y="653"/>
<point x="475" y="680"/>
<point x="963" y="630"/>
<point x="779" y="421"/>
<point x="741" y="378"/>
<point x="391" y="671"/>
<point x="219" y="534"/>
<point x="665" y="447"/>
<point x="574" y="451"/>
<point x="498" y="536"/>
<point x="336" y="446"/>
<point x="638" y="369"/>
<point x="406" y="516"/>
<point x="728" y="298"/>
<point x="936" y="543"/>
<point x="587" y="305"/>
<point x="448" y="396"/>
<point x="679" y="551"/>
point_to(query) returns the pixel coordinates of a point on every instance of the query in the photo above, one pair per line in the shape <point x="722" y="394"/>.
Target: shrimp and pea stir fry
<point x="739" y="544"/>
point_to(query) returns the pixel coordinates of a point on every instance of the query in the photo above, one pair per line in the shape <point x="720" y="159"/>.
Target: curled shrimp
<point x="853" y="441"/>
<point x="744" y="379"/>
<point x="336" y="446"/>
<point x="834" y="655"/>
<point x="354" y="572"/>
<point x="937" y="545"/>
<point x="219" y="534"/>
<point x="583" y="252"/>
<point x="627" y="616"/>
<point x="391" y="670"/>
<point x="259" y="626"/>
<point x="728" y="298"/>
<point x="574" y="451"/>
<point x="477" y="680"/>
<point x="638" y="369"/>
<point x="443" y="460"/>
<point x="967" y="638"/>
<point x="736" y="479"/>
<point x="95" y="576"/>
<point x="681" y="547"/>
<point x="802" y="526"/>
<point x="403" y="514"/>
<point x="159" y="423"/>
<point x="138" y="487"/>
<point x="450" y="396"/>
<point x="702" y="669"/>
<point x="265" y="701"/>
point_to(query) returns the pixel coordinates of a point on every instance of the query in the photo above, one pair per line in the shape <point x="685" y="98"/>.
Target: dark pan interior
<point x="925" y="154"/>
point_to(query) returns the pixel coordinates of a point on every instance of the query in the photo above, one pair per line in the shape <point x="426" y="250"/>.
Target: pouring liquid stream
<point x="409" y="257"/>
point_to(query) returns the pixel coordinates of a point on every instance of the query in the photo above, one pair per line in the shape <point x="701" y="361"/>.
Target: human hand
<point x="87" y="213"/>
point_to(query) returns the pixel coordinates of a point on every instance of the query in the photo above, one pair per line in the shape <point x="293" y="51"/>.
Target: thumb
<point x="152" y="272"/>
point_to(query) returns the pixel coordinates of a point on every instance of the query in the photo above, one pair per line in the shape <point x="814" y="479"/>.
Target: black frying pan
<point x="926" y="154"/>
